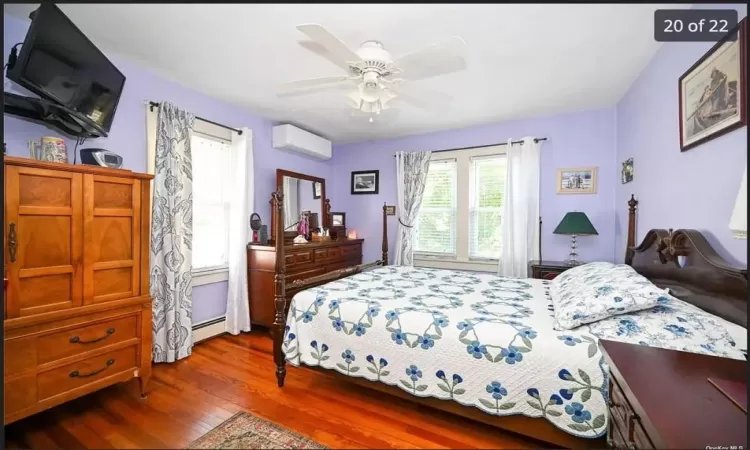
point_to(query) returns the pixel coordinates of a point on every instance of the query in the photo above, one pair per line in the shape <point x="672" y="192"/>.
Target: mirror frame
<point x="280" y="174"/>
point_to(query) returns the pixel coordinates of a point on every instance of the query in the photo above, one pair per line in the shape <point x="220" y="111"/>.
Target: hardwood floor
<point x="229" y="374"/>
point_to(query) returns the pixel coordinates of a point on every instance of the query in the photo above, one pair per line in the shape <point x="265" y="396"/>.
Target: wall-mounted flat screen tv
<point x="59" y="63"/>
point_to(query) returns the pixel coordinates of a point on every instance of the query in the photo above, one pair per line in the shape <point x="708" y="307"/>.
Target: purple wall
<point x="128" y="138"/>
<point x="574" y="140"/>
<point x="667" y="182"/>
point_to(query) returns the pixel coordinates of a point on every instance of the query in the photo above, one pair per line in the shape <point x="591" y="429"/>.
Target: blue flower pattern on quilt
<point x="493" y="348"/>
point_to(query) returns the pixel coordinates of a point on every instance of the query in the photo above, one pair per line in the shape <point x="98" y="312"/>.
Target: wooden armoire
<point x="77" y="310"/>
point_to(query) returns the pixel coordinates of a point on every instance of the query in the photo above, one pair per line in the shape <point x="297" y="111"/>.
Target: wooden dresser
<point x="77" y="311"/>
<point x="663" y="399"/>
<point x="302" y="261"/>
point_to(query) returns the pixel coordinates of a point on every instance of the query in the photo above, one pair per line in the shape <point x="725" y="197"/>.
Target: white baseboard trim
<point x="209" y="329"/>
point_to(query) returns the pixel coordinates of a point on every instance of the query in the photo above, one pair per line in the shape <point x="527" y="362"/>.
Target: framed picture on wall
<point x="317" y="189"/>
<point x="578" y="180"/>
<point x="627" y="171"/>
<point x="713" y="92"/>
<point x="365" y="182"/>
<point x="338" y="219"/>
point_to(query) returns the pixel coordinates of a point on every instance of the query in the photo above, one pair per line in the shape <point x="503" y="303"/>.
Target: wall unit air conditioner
<point x="289" y="137"/>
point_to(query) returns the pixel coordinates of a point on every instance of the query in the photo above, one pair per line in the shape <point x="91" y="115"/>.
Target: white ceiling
<point x="523" y="60"/>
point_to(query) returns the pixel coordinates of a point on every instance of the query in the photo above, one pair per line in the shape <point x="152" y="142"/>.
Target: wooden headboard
<point x="684" y="262"/>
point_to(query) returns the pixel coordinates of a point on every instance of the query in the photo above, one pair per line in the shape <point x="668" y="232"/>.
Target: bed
<point x="484" y="347"/>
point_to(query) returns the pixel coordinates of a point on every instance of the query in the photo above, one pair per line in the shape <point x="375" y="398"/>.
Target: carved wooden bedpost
<point x="279" y="322"/>
<point x="632" y="204"/>
<point x="385" y="236"/>
<point x="328" y="220"/>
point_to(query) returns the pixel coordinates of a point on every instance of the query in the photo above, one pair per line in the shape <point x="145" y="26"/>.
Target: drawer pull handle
<point x="77" y="374"/>
<point x="12" y="243"/>
<point x="77" y="340"/>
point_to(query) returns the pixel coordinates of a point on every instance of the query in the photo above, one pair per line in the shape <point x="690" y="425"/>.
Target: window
<point x="459" y="219"/>
<point x="436" y="225"/>
<point x="211" y="152"/>
<point x="486" y="206"/>
<point x="211" y="163"/>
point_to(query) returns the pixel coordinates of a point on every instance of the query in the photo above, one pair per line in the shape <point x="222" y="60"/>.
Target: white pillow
<point x="596" y="291"/>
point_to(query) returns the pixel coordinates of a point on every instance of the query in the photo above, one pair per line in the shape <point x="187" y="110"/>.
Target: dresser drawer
<point x="303" y="257"/>
<point x="334" y="253"/>
<point x="79" y="340"/>
<point x="321" y="254"/>
<point x="349" y="251"/>
<point x="615" y="438"/>
<point x="619" y="408"/>
<point x="625" y="419"/>
<point x="79" y="374"/>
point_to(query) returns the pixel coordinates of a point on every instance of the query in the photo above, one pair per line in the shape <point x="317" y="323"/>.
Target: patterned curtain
<point x="172" y="236"/>
<point x="411" y="176"/>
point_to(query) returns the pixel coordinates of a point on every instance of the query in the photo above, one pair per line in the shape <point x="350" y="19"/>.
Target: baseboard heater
<point x="209" y="329"/>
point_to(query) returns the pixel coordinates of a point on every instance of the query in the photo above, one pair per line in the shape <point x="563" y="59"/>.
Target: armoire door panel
<point x="41" y="188"/>
<point x="112" y="228"/>
<point x="113" y="193"/>
<point x="45" y="293"/>
<point x="43" y="232"/>
<point x="112" y="238"/>
<point x="111" y="282"/>
<point x="44" y="241"/>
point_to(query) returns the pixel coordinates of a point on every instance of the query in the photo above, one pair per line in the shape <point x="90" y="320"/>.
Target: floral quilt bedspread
<point x="481" y="340"/>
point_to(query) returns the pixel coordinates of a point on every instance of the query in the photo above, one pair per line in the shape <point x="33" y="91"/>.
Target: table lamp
<point x="575" y="224"/>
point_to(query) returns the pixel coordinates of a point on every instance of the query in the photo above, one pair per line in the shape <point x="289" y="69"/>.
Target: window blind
<point x="486" y="197"/>
<point x="436" y="226"/>
<point x="211" y="163"/>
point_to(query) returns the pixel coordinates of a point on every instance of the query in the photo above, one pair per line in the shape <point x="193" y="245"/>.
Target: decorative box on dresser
<point x="77" y="310"/>
<point x="662" y="398"/>
<point x="302" y="261"/>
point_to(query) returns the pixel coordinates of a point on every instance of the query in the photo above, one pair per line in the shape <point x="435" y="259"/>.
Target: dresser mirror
<point x="303" y="195"/>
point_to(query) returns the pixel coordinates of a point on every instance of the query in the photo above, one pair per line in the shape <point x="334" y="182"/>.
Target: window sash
<point x="210" y="232"/>
<point x="447" y="171"/>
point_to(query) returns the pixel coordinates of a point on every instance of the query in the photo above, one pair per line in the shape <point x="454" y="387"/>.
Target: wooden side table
<point x="547" y="270"/>
<point x="662" y="399"/>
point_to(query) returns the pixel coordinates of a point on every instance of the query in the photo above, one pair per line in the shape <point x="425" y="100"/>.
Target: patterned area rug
<point x="244" y="430"/>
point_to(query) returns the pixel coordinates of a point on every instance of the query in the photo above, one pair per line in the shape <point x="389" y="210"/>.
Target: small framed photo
<point x="317" y="189"/>
<point x="627" y="171"/>
<point x="390" y="210"/>
<point x="365" y="182"/>
<point x="338" y="219"/>
<point x="713" y="92"/>
<point x="578" y="180"/>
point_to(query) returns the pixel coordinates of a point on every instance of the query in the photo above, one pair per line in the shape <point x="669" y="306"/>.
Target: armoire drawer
<point x="86" y="338"/>
<point x="78" y="374"/>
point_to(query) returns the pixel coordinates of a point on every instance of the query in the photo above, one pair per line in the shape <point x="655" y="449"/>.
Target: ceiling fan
<point x="374" y="78"/>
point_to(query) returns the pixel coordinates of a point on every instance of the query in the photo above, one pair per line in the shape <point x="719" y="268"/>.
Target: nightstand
<point x="547" y="270"/>
<point x="662" y="398"/>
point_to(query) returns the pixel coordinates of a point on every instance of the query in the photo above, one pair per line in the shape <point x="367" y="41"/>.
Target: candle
<point x="352" y="234"/>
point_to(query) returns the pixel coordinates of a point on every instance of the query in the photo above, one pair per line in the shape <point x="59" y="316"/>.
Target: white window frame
<point x="206" y="275"/>
<point x="461" y="260"/>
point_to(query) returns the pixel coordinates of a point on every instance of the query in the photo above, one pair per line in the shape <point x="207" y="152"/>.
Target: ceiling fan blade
<point x="438" y="59"/>
<point x="419" y="96"/>
<point x="304" y="86"/>
<point x="339" y="53"/>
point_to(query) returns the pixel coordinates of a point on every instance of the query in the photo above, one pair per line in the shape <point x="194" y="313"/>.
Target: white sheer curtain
<point x="240" y="207"/>
<point x="520" y="231"/>
<point x="738" y="221"/>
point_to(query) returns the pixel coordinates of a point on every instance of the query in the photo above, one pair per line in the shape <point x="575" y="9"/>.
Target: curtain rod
<point x="482" y="146"/>
<point x="153" y="104"/>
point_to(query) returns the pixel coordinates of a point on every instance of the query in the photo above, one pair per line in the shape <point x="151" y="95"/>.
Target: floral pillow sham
<point x="596" y="291"/>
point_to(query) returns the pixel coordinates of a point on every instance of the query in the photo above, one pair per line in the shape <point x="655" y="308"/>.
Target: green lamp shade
<point x="575" y="223"/>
